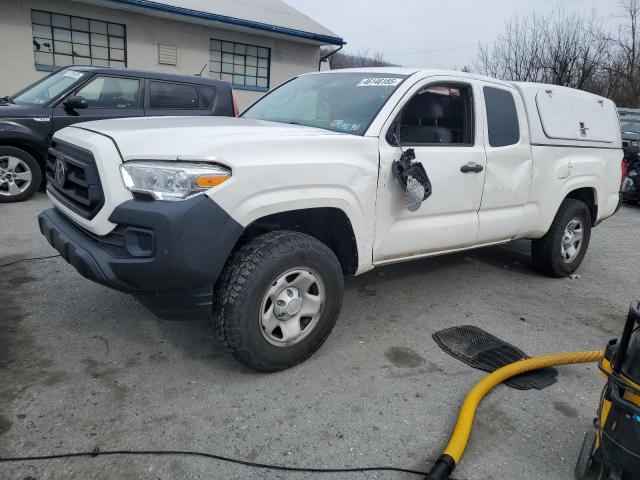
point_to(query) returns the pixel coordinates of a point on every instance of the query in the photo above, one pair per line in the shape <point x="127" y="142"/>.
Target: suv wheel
<point x="278" y="299"/>
<point x="20" y="175"/>
<point x="561" y="251"/>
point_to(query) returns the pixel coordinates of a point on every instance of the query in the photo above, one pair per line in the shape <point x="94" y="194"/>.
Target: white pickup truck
<point x="331" y="174"/>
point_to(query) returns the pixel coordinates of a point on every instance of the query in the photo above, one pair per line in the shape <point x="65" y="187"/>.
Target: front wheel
<point x="278" y="299"/>
<point x="561" y="251"/>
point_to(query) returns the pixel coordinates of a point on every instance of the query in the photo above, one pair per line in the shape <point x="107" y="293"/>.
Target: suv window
<point x="173" y="95"/>
<point x="207" y="94"/>
<point x="502" y="117"/>
<point x="111" y="92"/>
<point x="439" y="114"/>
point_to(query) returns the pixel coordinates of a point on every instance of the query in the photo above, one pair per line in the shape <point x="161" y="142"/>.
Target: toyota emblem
<point x="61" y="172"/>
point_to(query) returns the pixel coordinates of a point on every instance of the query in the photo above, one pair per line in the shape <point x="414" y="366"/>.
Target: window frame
<point x="509" y="92"/>
<point x="138" y="105"/>
<point x="236" y="86"/>
<point x="89" y="32"/>
<point x="471" y="114"/>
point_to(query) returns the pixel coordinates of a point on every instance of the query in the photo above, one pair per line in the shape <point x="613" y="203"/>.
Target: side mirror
<point x="413" y="178"/>
<point x="75" y="102"/>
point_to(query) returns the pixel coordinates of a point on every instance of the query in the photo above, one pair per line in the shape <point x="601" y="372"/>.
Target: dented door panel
<point x="448" y="218"/>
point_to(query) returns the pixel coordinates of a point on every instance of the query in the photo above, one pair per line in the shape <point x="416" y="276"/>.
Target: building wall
<point x="288" y="58"/>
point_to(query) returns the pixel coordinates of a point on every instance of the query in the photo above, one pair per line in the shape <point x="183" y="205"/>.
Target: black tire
<point x="246" y="279"/>
<point x="585" y="457"/>
<point x="31" y="164"/>
<point x="546" y="251"/>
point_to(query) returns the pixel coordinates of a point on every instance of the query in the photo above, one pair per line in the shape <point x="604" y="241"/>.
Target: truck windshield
<point x="42" y="92"/>
<point x="341" y="102"/>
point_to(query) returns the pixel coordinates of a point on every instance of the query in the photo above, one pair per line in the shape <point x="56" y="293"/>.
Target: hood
<point x="170" y="138"/>
<point x="12" y="110"/>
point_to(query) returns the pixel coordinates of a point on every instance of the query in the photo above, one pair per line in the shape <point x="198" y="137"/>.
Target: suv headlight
<point x="171" y="180"/>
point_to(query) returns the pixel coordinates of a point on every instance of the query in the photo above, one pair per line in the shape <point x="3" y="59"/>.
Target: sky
<point x="430" y="33"/>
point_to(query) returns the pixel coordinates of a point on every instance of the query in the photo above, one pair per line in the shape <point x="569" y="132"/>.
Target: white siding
<point x="144" y="34"/>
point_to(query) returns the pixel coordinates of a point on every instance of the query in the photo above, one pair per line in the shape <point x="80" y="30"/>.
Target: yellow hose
<point x="454" y="451"/>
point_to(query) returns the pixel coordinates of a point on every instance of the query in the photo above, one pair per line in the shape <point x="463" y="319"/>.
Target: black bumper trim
<point x="192" y="241"/>
<point x="71" y="247"/>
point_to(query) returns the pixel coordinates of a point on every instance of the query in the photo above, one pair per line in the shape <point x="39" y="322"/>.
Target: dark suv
<point x="79" y="94"/>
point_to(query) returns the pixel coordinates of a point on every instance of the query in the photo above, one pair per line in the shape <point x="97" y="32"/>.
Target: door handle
<point x="471" y="168"/>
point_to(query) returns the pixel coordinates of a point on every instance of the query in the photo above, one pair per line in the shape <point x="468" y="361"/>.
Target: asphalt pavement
<point x="82" y="366"/>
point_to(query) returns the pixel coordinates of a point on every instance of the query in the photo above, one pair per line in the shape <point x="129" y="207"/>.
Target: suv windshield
<point x="342" y="102"/>
<point x="48" y="88"/>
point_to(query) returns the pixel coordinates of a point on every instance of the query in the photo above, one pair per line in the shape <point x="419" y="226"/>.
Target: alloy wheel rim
<point x="291" y="307"/>
<point x="15" y="176"/>
<point x="572" y="240"/>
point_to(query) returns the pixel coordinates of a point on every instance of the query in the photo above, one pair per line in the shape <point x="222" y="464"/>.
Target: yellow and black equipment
<point x="612" y="452"/>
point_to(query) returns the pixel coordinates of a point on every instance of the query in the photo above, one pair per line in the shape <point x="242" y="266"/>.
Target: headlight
<point x="171" y="180"/>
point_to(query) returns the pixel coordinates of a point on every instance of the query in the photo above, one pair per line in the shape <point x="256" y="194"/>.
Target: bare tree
<point x="359" y="60"/>
<point x="571" y="49"/>
<point x="625" y="64"/>
<point x="515" y="55"/>
<point x="559" y="47"/>
<point x="575" y="49"/>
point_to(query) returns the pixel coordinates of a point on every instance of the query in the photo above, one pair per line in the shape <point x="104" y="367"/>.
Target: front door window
<point x="111" y="92"/>
<point x="438" y="115"/>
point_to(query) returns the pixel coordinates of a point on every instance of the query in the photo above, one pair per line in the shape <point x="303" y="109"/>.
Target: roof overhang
<point x="159" y="9"/>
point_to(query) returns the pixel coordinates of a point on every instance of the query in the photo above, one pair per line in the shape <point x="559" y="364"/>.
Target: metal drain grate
<point x="481" y="350"/>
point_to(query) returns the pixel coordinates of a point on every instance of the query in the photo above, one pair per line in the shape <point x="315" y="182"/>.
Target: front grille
<point x="76" y="183"/>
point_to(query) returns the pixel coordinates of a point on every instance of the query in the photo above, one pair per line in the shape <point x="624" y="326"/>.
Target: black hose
<point x="96" y="452"/>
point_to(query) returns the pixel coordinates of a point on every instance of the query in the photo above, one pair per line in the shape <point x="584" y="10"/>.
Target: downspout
<point x="322" y="59"/>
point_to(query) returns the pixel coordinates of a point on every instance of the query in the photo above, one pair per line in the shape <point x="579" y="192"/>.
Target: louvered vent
<point x="167" y="55"/>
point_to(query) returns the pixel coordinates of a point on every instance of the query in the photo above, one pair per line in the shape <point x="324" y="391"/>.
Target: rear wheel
<point x="561" y="251"/>
<point x="20" y="175"/>
<point x="278" y="299"/>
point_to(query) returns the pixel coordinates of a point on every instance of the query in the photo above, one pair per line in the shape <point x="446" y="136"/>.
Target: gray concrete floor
<point x="83" y="366"/>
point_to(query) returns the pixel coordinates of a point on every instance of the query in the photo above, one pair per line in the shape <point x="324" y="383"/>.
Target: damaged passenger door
<point x="438" y="123"/>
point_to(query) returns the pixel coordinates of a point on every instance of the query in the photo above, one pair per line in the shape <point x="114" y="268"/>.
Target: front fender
<point x="32" y="133"/>
<point x="343" y="175"/>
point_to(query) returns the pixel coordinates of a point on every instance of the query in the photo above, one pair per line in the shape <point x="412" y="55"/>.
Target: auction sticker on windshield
<point x="72" y="74"/>
<point x="379" y="82"/>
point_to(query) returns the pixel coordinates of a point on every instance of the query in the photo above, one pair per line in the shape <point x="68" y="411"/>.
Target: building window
<point x="61" y="40"/>
<point x="240" y="64"/>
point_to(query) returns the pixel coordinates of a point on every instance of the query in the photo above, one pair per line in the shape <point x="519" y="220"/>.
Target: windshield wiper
<point x="7" y="99"/>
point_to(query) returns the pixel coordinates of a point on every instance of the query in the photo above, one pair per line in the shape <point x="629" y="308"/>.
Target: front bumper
<point x="157" y="245"/>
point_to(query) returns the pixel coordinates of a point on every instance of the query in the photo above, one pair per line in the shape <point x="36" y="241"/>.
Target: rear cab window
<point x="502" y="117"/>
